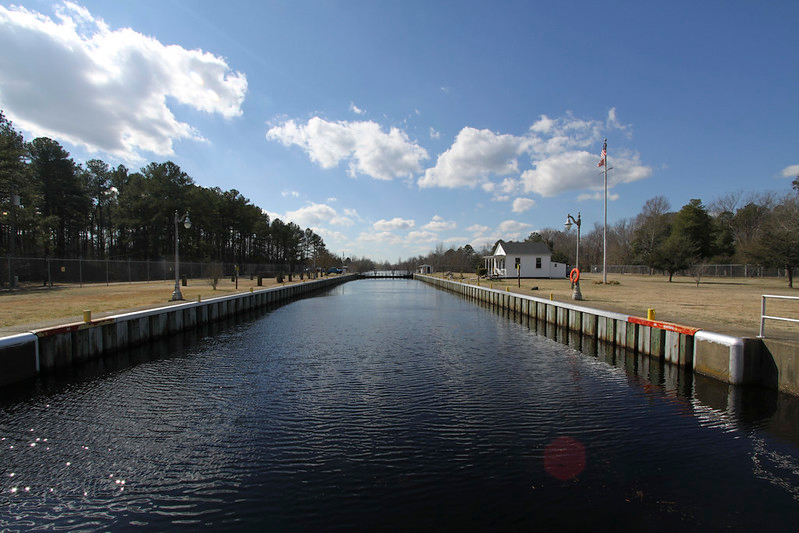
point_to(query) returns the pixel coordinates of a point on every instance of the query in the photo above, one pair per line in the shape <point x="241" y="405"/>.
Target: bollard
<point x="199" y="298"/>
<point x="250" y="289"/>
<point x="507" y="289"/>
<point x="650" y="314"/>
<point x="87" y="315"/>
<point x="551" y="297"/>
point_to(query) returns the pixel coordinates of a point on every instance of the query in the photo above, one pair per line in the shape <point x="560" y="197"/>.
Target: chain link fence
<point x="711" y="271"/>
<point x="20" y="271"/>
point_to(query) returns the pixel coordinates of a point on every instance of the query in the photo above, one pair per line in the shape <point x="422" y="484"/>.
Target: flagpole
<point x="605" y="229"/>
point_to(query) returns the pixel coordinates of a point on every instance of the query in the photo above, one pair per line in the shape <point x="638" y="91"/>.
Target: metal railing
<point x="764" y="316"/>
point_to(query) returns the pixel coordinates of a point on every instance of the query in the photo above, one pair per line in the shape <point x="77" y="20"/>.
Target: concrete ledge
<point x="19" y="358"/>
<point x="24" y="356"/>
<point x="779" y="364"/>
<point x="733" y="360"/>
<point x="719" y="356"/>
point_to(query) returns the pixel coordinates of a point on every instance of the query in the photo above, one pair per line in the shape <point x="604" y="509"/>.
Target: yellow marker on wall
<point x="650" y="314"/>
<point x="87" y="315"/>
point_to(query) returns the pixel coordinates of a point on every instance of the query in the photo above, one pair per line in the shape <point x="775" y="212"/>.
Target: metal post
<point x="605" y="228"/>
<point x="576" y="294"/>
<point x="13" y="239"/>
<point x="762" y="318"/>
<point x="176" y="294"/>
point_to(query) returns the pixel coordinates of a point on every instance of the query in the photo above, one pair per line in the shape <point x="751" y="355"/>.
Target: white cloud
<point x="434" y="134"/>
<point x="558" y="173"/>
<point x="393" y="225"/>
<point x="543" y="125"/>
<point x="477" y="229"/>
<point x="384" y="237"/>
<point x="293" y="194"/>
<point x="563" y="156"/>
<point x="512" y="229"/>
<point x="370" y="151"/>
<point x="509" y="186"/>
<point x="78" y="80"/>
<point x="473" y="158"/>
<point x="330" y="236"/>
<point x="575" y="170"/>
<point x="355" y="109"/>
<point x="791" y="171"/>
<point x="315" y="215"/>
<point x="613" y="124"/>
<point x="599" y="195"/>
<point x="439" y="224"/>
<point x="520" y="205"/>
<point x="421" y="236"/>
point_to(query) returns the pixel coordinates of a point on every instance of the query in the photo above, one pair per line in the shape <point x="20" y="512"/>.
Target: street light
<point x="176" y="295"/>
<point x="12" y="216"/>
<point x="576" y="294"/>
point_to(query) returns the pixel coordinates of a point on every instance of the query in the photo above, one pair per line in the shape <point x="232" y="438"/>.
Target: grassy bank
<point x="723" y="305"/>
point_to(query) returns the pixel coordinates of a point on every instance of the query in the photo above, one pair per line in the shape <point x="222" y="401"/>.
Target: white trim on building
<point x="523" y="259"/>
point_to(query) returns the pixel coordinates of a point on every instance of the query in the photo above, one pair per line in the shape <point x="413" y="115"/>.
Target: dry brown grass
<point x="37" y="307"/>
<point x="722" y="305"/>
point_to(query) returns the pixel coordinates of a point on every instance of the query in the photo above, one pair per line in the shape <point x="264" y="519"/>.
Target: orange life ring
<point x="574" y="275"/>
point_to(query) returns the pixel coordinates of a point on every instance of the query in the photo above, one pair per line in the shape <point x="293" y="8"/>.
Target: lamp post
<point x="576" y="294"/>
<point x="12" y="217"/>
<point x="176" y="295"/>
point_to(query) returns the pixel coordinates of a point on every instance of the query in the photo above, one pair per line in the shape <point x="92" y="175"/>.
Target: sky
<point x="394" y="127"/>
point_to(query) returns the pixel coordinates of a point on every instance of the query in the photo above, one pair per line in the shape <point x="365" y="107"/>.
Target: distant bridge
<point x="387" y="274"/>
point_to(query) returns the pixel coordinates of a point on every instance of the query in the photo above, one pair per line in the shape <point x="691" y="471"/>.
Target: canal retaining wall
<point x="46" y="350"/>
<point x="734" y="360"/>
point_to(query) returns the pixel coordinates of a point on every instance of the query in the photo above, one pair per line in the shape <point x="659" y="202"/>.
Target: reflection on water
<point x="390" y="404"/>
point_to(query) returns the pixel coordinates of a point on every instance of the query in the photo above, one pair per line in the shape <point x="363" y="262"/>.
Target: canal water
<point x="391" y="405"/>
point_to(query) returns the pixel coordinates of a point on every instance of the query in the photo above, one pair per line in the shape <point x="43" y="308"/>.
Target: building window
<point x="537" y="262"/>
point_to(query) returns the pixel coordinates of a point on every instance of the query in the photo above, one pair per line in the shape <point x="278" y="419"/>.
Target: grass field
<point x="722" y="305"/>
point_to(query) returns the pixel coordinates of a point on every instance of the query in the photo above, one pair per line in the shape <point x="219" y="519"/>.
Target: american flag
<point x="604" y="155"/>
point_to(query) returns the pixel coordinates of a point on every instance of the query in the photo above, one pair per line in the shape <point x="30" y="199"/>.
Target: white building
<point x="532" y="259"/>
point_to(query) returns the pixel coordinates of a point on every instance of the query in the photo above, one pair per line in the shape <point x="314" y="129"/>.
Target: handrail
<point x="764" y="316"/>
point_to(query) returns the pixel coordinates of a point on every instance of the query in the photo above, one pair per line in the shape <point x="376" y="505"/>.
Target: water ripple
<point x="386" y="405"/>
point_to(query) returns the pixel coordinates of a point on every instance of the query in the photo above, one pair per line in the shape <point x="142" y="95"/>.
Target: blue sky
<point x="392" y="127"/>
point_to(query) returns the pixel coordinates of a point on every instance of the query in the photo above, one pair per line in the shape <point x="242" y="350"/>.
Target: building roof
<point x="524" y="248"/>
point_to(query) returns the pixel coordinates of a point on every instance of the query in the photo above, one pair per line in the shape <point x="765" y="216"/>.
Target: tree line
<point x="758" y="229"/>
<point x="52" y="206"/>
